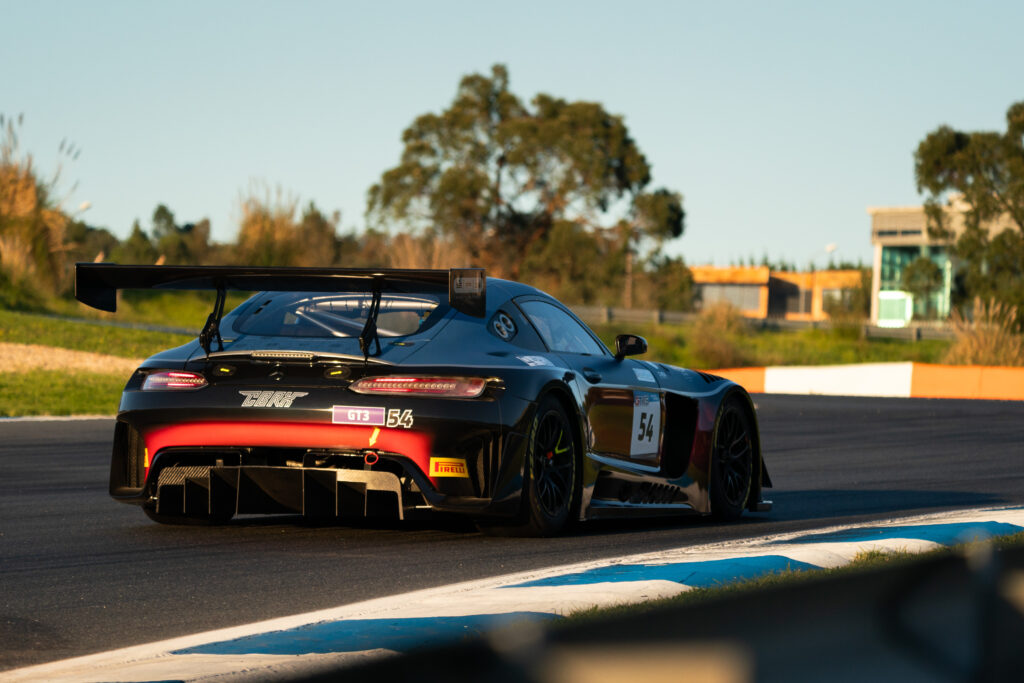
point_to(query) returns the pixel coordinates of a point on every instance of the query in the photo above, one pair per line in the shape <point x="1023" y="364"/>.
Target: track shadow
<point x="789" y="507"/>
<point x="795" y="506"/>
<point x="817" y="504"/>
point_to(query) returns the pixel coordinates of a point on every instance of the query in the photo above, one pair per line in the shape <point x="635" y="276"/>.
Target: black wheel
<point x="551" y="486"/>
<point x="732" y="460"/>
<point x="188" y="520"/>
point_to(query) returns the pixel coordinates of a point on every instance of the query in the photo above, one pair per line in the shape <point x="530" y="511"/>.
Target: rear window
<point x="319" y="314"/>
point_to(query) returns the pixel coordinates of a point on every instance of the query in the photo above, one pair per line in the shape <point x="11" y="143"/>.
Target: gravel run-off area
<point x="25" y="357"/>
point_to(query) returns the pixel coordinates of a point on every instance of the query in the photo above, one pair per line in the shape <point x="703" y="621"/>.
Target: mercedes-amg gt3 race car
<point x="341" y="393"/>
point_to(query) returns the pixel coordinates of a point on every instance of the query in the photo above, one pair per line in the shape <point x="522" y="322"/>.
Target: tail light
<point x="170" y="380"/>
<point x="441" y="387"/>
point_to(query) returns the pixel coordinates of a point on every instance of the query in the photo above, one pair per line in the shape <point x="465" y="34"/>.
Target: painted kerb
<point x="906" y="380"/>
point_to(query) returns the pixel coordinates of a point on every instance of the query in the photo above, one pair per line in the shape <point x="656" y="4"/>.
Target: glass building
<point x="900" y="237"/>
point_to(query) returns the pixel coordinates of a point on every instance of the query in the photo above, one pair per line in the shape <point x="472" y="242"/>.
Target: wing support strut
<point x="369" y="333"/>
<point x="211" y="329"/>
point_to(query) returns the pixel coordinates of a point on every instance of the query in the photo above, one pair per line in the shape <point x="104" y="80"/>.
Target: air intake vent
<point x="128" y="467"/>
<point x="284" y="355"/>
<point x="709" y="378"/>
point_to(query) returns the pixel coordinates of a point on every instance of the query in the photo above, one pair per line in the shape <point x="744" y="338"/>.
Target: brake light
<point x="160" y="381"/>
<point x="442" y="387"/>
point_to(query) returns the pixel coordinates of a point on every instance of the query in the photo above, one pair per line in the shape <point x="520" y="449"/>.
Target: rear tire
<point x="551" y="476"/>
<point x="732" y="460"/>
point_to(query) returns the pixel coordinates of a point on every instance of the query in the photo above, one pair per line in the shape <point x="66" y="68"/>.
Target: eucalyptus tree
<point x="500" y="177"/>
<point x="987" y="169"/>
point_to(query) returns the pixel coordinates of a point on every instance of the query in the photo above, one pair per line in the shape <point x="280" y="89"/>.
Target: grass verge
<point x="184" y="309"/>
<point x="863" y="561"/>
<point x="55" y="392"/>
<point x="25" y="328"/>
<point x="677" y="345"/>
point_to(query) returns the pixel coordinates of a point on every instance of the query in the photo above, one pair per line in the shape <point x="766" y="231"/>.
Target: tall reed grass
<point x="991" y="338"/>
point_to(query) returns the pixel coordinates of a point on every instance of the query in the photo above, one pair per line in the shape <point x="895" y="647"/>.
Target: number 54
<point x="646" y="427"/>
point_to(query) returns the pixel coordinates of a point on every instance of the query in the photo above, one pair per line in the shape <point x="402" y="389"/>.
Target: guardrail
<point x="611" y="314"/>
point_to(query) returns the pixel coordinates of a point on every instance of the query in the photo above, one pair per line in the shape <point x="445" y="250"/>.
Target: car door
<point x="622" y="399"/>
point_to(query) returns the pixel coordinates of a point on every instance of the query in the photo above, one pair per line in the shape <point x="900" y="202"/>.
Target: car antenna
<point x="212" y="327"/>
<point x="369" y="333"/>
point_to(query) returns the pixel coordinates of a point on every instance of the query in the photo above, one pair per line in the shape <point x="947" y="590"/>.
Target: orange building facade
<point x="759" y="292"/>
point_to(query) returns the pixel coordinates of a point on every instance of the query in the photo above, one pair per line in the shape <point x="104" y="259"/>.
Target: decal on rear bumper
<point x="448" y="467"/>
<point x="371" y="416"/>
<point x="270" y="399"/>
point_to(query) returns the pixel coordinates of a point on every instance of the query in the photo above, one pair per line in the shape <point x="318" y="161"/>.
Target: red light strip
<point x="413" y="445"/>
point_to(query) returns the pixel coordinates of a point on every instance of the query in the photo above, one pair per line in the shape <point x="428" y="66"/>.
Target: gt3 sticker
<point x="270" y="399"/>
<point x="448" y="467"/>
<point x="646" y="424"/>
<point x="358" y="415"/>
<point x="534" y="361"/>
<point x="375" y="416"/>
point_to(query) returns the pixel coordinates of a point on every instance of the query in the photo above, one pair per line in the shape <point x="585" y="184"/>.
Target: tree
<point x="87" y="243"/>
<point x="582" y="267"/>
<point x="318" y="238"/>
<point x="671" y="284"/>
<point x="500" y="176"/>
<point x="137" y="249"/>
<point x="987" y="169"/>
<point x="187" y="244"/>
<point x="922" y="277"/>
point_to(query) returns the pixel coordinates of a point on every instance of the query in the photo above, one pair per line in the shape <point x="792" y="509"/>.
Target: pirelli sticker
<point x="448" y="467"/>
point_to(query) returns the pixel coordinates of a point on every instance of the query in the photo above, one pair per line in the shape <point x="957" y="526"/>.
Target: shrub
<point x="19" y="293"/>
<point x="718" y="337"/>
<point x="990" y="339"/>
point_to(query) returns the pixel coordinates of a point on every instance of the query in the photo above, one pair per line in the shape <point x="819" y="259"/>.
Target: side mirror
<point x="629" y="345"/>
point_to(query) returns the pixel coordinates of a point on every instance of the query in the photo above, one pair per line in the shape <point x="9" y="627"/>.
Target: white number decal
<point x="399" y="418"/>
<point x="646" y="434"/>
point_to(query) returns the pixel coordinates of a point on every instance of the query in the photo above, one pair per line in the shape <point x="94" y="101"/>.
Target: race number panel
<point x="646" y="425"/>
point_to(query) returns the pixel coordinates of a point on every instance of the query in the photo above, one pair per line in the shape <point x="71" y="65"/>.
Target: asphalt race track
<point x="80" y="573"/>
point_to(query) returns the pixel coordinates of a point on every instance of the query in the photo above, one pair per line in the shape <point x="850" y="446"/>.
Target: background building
<point x="759" y="292"/>
<point x="900" y="236"/>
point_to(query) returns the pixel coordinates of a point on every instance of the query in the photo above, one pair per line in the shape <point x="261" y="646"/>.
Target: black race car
<point x="339" y="393"/>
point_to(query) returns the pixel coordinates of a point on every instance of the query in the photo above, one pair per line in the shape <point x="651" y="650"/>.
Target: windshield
<point x="318" y="314"/>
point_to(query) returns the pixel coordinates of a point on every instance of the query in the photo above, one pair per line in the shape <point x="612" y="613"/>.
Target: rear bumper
<point x="315" y="468"/>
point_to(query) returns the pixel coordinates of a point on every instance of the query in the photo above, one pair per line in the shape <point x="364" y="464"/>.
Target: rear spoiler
<point x="96" y="285"/>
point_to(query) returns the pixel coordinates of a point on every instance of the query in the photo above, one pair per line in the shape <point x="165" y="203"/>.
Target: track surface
<point x="80" y="573"/>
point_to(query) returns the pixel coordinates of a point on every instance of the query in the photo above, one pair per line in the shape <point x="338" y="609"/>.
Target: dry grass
<point x="15" y="358"/>
<point x="990" y="339"/>
<point x="425" y="251"/>
<point x="32" y="221"/>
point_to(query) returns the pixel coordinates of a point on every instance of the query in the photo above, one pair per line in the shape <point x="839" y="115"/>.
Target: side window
<point x="559" y="330"/>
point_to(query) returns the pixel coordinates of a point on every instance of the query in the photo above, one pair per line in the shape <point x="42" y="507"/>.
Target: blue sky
<point x="779" y="122"/>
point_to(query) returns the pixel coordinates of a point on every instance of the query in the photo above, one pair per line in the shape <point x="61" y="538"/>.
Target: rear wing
<point x="96" y="284"/>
